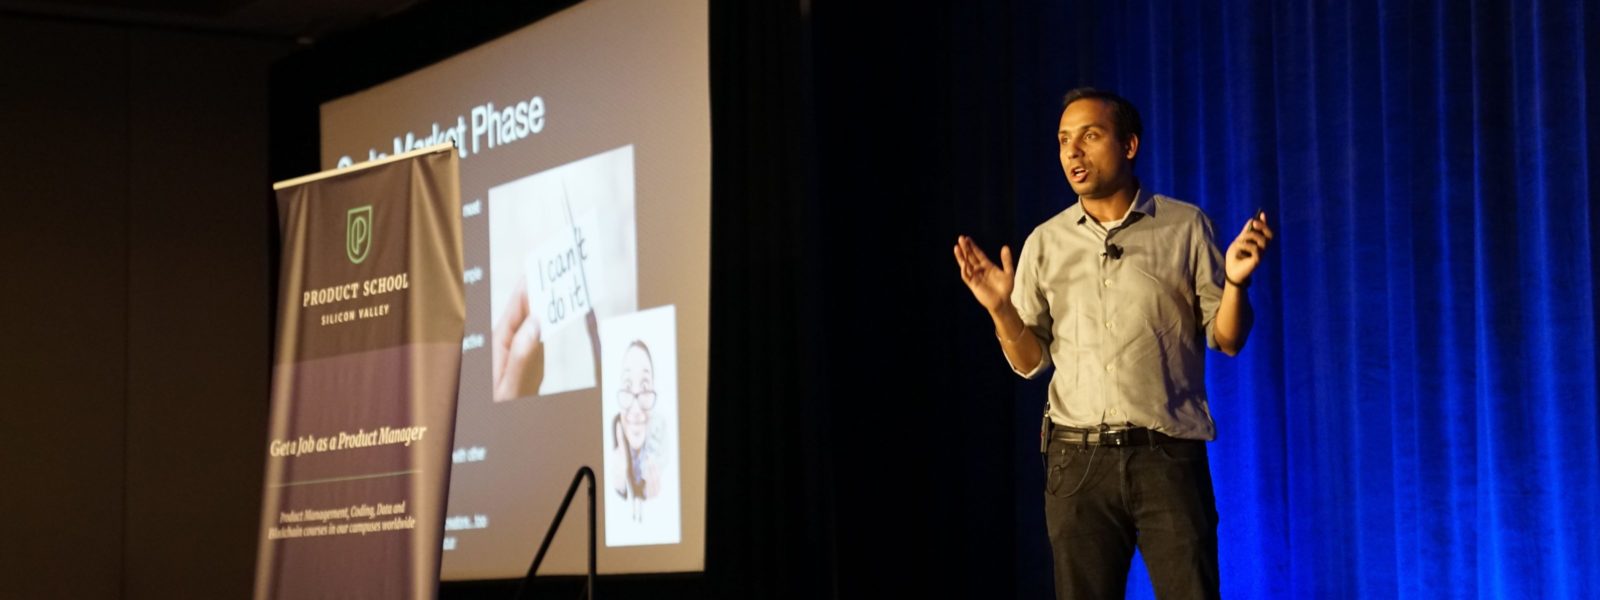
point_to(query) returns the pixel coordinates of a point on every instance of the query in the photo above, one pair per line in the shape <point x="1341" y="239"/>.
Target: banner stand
<point x="371" y="314"/>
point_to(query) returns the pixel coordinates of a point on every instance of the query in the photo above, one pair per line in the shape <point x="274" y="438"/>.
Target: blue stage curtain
<point x="1415" y="413"/>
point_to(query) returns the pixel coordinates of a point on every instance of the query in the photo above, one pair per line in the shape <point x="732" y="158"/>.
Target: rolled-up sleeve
<point x="1208" y="274"/>
<point x="1032" y="305"/>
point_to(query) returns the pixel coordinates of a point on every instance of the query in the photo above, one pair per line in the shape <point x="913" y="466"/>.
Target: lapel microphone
<point x="1114" y="251"/>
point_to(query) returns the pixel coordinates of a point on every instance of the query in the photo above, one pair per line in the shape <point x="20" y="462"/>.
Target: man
<point x="1118" y="292"/>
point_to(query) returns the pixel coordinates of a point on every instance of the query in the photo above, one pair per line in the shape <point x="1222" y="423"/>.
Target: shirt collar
<point x="1143" y="203"/>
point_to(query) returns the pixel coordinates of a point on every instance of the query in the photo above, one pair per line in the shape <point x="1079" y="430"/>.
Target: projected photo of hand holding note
<point x="518" y="352"/>
<point x="562" y="256"/>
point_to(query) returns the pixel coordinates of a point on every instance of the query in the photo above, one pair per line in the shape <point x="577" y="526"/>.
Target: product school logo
<point x="358" y="233"/>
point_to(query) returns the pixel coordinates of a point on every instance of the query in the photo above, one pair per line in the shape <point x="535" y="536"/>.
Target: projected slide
<point x="585" y="147"/>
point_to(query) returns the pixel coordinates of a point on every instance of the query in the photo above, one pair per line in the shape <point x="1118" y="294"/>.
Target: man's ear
<point x="1131" y="147"/>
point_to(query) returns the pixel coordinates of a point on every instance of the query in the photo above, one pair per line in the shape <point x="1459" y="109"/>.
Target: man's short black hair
<point x="1123" y="114"/>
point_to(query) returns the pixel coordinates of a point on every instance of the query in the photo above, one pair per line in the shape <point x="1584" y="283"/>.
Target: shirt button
<point x="1108" y="324"/>
<point x="1110" y="368"/>
<point x="1108" y="283"/>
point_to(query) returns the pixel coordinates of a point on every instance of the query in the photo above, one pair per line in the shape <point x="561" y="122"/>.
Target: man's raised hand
<point x="1246" y="251"/>
<point x="990" y="283"/>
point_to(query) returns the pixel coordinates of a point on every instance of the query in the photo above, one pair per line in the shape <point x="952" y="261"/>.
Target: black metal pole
<point x="589" y="592"/>
<point x="584" y="472"/>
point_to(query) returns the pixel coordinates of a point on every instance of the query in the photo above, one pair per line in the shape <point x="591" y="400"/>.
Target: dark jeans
<point x="1156" y="497"/>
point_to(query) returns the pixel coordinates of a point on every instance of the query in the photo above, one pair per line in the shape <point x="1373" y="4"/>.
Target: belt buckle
<point x="1114" y="438"/>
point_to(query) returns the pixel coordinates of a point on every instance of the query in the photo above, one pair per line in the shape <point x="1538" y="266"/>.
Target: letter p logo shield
<point x="358" y="233"/>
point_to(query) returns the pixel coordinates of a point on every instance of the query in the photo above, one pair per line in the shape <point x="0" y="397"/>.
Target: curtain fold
<point x="770" y="529"/>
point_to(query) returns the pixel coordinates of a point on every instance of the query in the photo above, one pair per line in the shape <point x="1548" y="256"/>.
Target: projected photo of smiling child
<point x="642" y="477"/>
<point x="640" y="416"/>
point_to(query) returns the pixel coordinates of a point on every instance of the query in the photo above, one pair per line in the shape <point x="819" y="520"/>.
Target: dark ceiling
<point x="302" y="20"/>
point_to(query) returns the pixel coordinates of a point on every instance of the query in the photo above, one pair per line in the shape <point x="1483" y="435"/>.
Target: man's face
<point x="1095" y="161"/>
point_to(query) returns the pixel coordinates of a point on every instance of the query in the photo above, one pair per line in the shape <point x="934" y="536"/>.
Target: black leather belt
<point x="1137" y="436"/>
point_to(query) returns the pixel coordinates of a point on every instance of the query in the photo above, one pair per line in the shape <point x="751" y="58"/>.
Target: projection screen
<point x="585" y="148"/>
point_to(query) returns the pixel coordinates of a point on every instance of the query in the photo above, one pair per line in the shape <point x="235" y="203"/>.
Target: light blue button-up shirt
<point x="1127" y="336"/>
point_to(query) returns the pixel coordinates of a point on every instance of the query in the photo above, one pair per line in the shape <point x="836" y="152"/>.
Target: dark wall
<point x="137" y="319"/>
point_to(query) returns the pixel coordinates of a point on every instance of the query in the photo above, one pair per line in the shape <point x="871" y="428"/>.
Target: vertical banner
<point x="364" y="386"/>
